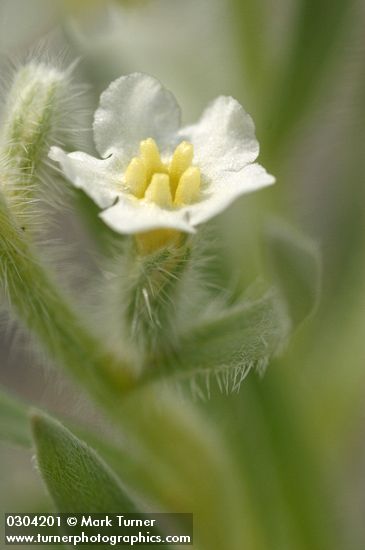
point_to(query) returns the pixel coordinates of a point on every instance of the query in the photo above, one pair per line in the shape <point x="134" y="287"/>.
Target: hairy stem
<point x="38" y="303"/>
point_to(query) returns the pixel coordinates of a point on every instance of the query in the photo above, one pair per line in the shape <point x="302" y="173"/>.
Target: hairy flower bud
<point x="32" y="116"/>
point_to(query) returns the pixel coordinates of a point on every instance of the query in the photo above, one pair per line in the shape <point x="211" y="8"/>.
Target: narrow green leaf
<point x="242" y="337"/>
<point x="14" y="425"/>
<point x="248" y="22"/>
<point x="322" y="27"/>
<point x="294" y="263"/>
<point x="77" y="478"/>
<point x="15" y="430"/>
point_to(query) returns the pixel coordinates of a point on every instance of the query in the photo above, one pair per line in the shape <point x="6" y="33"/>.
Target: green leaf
<point x="294" y="263"/>
<point x="14" y="425"/>
<point x="77" y="478"/>
<point x="322" y="28"/>
<point x="248" y="23"/>
<point x="15" y="430"/>
<point x="240" y="338"/>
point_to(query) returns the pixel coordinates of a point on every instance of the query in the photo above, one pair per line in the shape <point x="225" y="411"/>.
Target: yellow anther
<point x="136" y="177"/>
<point x="181" y="160"/>
<point x="188" y="189"/>
<point x="159" y="190"/>
<point x="151" y="157"/>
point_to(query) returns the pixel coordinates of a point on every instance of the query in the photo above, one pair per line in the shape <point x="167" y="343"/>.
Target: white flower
<point x="154" y="174"/>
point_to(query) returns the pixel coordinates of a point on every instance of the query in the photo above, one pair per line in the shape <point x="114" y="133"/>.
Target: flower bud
<point x="31" y="120"/>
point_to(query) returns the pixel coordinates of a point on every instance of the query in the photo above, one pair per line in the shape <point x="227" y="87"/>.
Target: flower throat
<point x="167" y="185"/>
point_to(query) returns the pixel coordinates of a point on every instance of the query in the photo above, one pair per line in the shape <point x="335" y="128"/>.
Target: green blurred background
<point x="298" y="433"/>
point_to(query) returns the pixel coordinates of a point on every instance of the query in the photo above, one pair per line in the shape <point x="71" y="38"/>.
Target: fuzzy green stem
<point x="40" y="306"/>
<point x="33" y="113"/>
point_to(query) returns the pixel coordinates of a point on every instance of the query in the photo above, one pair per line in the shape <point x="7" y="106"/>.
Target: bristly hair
<point x="34" y="192"/>
<point x="30" y="185"/>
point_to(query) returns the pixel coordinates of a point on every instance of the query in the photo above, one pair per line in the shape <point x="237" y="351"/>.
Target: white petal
<point x="133" y="108"/>
<point x="223" y="138"/>
<point x="134" y="216"/>
<point x="225" y="189"/>
<point x="98" y="178"/>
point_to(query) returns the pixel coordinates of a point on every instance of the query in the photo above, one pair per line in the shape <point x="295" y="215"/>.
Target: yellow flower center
<point x="174" y="184"/>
